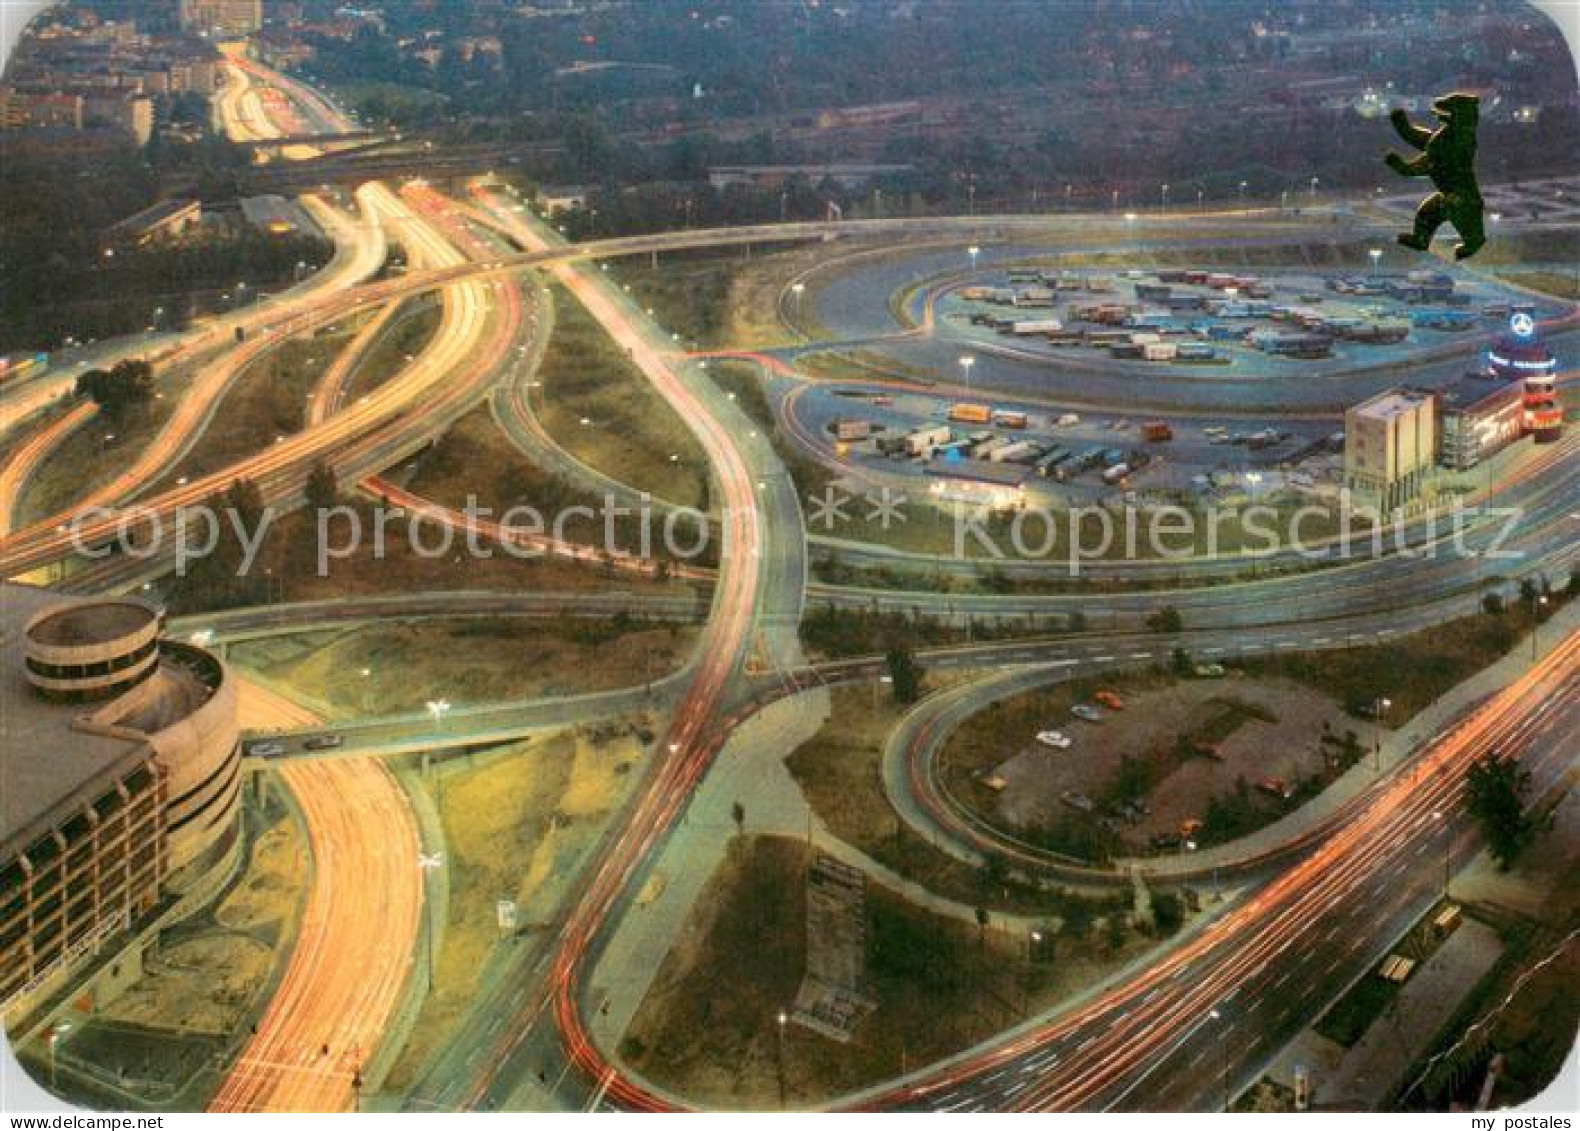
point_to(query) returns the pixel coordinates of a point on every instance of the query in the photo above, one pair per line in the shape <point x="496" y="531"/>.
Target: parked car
<point x="1054" y="738"/>
<point x="1110" y="700"/>
<point x="1086" y="711"/>
<point x="323" y="742"/>
<point x="266" y="749"/>
<point x="1210" y="671"/>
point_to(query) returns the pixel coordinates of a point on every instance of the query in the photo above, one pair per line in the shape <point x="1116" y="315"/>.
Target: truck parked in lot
<point x="924" y="440"/>
<point x="1009" y="418"/>
<point x="1156" y="432"/>
<point x="847" y="429"/>
<point x="1015" y="451"/>
<point x="1030" y="326"/>
<point x="970" y="413"/>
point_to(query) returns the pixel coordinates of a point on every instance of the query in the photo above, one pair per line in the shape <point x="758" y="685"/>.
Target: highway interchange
<point x="1140" y="1044"/>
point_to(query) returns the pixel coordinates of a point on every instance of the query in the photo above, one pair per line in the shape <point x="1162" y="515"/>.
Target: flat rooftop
<point x="97" y="623"/>
<point x="45" y="764"/>
<point x="1389" y="404"/>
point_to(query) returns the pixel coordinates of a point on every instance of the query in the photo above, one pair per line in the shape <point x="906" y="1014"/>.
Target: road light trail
<point x="1147" y="1016"/>
<point x="31" y="453"/>
<point x="355" y="947"/>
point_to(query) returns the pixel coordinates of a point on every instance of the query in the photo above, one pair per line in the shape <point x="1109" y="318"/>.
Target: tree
<point x="1494" y="792"/>
<point x="738" y="815"/>
<point x="982" y="926"/>
<point x="905" y="675"/>
<point x="1492" y="604"/>
<point x="1167" y="619"/>
<point x="1182" y="662"/>
<point x="1077" y="621"/>
<point x="1168" y="912"/>
<point x="322" y="490"/>
<point x="128" y="384"/>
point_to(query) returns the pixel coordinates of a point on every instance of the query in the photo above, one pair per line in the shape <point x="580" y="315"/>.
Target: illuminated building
<point x="1520" y="355"/>
<point x="1390" y="446"/>
<point x="121" y="776"/>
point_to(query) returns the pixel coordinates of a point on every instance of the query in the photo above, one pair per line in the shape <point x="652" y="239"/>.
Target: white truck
<point x="924" y="440"/>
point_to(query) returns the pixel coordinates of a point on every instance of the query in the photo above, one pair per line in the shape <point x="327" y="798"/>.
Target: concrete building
<point x="1390" y="447"/>
<point x="222" y="17"/>
<point x="122" y="778"/>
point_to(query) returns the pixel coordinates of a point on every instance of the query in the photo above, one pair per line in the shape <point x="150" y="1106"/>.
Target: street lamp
<point x="1253" y="478"/>
<point x="428" y="862"/>
<point x="1379" y="709"/>
<point x="783" y="1020"/>
<point x="438" y="708"/>
<point x="1536" y="621"/>
<point x="1375" y="254"/>
<point x="1448" y="849"/>
<point x="1243" y="185"/>
<point x="59" y="1029"/>
<point x="1164" y="192"/>
<point x="965" y="369"/>
<point x="1314" y="183"/>
<point x="973" y="251"/>
<point x="1223" y="1046"/>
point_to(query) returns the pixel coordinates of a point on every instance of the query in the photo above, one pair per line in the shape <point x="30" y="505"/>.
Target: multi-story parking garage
<point x="120" y="775"/>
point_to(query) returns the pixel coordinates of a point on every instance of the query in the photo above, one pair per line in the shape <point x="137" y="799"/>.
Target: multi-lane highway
<point x="353" y="954"/>
<point x="1230" y="989"/>
<point x="1254" y="975"/>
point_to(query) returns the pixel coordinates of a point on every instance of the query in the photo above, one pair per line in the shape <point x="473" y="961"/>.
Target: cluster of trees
<point x="1495" y="792"/>
<point x="1126" y="95"/>
<point x="121" y="390"/>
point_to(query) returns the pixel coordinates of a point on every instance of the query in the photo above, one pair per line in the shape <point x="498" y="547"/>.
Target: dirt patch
<point x="707" y="1026"/>
<point x="468" y="660"/>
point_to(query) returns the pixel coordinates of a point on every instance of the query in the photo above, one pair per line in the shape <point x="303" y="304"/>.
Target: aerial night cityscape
<point x="975" y="556"/>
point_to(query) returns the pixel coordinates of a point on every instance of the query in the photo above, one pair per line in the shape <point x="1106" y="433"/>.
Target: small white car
<point x="1054" y="738"/>
<point x="266" y="749"/>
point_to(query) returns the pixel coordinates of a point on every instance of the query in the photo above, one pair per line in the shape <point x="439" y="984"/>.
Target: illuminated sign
<point x="1537" y="365"/>
<point x="1523" y="324"/>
